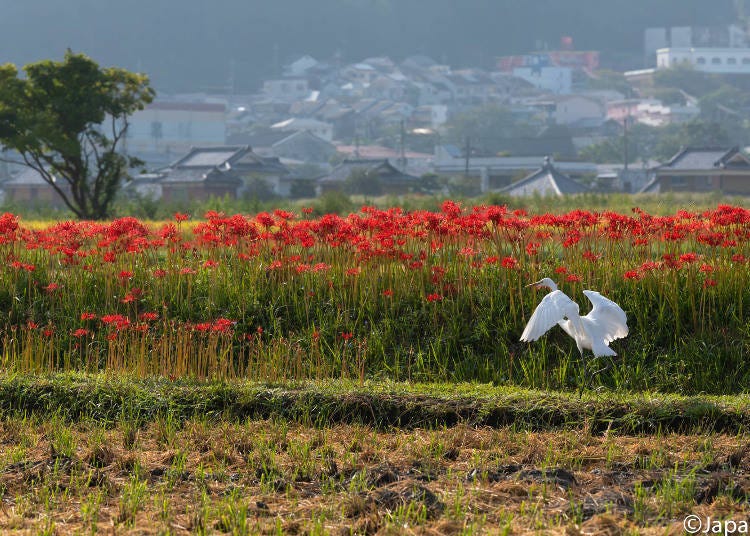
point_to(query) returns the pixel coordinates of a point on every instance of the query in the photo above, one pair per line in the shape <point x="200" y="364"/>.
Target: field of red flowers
<point x="429" y="296"/>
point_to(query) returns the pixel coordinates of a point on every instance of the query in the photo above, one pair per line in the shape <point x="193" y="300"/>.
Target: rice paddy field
<point x="287" y="372"/>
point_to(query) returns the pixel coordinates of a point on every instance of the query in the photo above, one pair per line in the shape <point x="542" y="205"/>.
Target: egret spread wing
<point x="609" y="318"/>
<point x="552" y="309"/>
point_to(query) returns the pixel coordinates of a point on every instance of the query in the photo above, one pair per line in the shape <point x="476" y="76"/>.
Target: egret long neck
<point x="551" y="284"/>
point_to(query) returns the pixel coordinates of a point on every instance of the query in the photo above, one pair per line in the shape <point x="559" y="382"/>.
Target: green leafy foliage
<point x="66" y="120"/>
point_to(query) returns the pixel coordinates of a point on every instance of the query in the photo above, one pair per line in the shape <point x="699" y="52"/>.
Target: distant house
<point x="546" y="181"/>
<point x="703" y="170"/>
<point x="302" y="145"/>
<point x="218" y="171"/>
<point x="390" y="179"/>
<point x="28" y="187"/>
<point x="174" y="126"/>
<point x="286" y="89"/>
<point x="320" y="128"/>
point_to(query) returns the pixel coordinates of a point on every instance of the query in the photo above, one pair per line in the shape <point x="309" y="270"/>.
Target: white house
<point x="175" y="126"/>
<point x="709" y="60"/>
<point x="286" y="89"/>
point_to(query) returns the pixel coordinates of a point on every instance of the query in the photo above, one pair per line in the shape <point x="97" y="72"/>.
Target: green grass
<point x="381" y="404"/>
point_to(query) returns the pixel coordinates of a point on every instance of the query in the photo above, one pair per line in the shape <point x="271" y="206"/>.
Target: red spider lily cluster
<point x="141" y="278"/>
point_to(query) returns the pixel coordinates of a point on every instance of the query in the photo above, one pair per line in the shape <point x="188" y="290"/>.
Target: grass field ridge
<point x="381" y="404"/>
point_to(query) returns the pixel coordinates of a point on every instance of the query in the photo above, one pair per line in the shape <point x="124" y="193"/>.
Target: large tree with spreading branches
<point x="68" y="121"/>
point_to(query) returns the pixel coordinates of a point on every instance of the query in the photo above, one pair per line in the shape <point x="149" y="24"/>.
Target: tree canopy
<point x="67" y="120"/>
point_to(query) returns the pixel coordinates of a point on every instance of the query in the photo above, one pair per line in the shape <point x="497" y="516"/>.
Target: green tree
<point x="67" y="120"/>
<point x="695" y="133"/>
<point x="685" y="77"/>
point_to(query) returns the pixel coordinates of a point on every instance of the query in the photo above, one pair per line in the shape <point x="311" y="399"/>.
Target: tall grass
<point x="427" y="296"/>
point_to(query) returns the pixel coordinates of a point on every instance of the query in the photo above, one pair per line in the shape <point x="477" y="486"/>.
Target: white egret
<point x="605" y="323"/>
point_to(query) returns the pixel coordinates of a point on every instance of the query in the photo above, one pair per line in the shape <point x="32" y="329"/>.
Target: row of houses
<point x="237" y="171"/>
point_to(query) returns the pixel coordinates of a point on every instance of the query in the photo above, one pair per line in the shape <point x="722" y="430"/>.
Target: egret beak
<point x="535" y="285"/>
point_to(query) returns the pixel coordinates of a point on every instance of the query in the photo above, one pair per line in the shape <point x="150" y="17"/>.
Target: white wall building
<point x="286" y="89"/>
<point x="552" y="79"/>
<point x="175" y="126"/>
<point x="709" y="60"/>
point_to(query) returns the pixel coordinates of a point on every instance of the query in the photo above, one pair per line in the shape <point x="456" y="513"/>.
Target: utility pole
<point x="403" y="147"/>
<point x="625" y="140"/>
<point x="467" y="154"/>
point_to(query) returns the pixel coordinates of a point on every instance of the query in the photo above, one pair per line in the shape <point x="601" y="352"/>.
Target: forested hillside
<point x="192" y="44"/>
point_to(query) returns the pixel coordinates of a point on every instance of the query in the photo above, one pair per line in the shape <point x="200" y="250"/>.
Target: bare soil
<point x="264" y="477"/>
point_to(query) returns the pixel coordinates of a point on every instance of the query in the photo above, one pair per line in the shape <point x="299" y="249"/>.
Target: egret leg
<point x="585" y="374"/>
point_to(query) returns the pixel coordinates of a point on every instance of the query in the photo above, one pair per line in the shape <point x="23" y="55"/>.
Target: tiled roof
<point x="692" y="158"/>
<point x="379" y="167"/>
<point x="545" y="181"/>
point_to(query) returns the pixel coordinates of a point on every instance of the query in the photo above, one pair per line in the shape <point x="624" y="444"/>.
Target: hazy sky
<point x="190" y="44"/>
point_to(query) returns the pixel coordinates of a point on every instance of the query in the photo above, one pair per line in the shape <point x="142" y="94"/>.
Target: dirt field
<point x="279" y="478"/>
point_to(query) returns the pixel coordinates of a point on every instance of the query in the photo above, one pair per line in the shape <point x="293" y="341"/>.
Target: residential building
<point x="709" y="60"/>
<point x="218" y="171"/>
<point x="28" y="187"/>
<point x="699" y="169"/>
<point x="546" y="181"/>
<point x="389" y="178"/>
<point x="321" y="129"/>
<point x="286" y="89"/>
<point x="172" y="126"/>
<point x="557" y="80"/>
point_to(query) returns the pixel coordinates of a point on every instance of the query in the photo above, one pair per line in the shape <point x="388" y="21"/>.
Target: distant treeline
<point x="194" y="45"/>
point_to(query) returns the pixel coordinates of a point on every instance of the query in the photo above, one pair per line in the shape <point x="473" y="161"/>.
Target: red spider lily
<point x="434" y="298"/>
<point x="159" y="273"/>
<point x="315" y="335"/>
<point x="632" y="274"/>
<point x="354" y="271"/>
<point x="210" y="264"/>
<point x="561" y="270"/>
<point x="388" y="293"/>
<point x="739" y="258"/>
<point x="590" y="256"/>
<point x="509" y="263"/>
<point x="187" y="271"/>
<point x="149" y="317"/>
<point x="109" y="256"/>
<point x="48" y="332"/>
<point x="31" y="324"/>
<point x="573" y="278"/>
<point x="80" y="332"/>
<point x="347" y="335"/>
<point x="688" y="258"/>
<point x="492" y="260"/>
<point x="307" y="210"/>
<point x="88" y="316"/>
<point x="706" y="268"/>
<point x="179" y="217"/>
<point x="52" y="287"/>
<point x="532" y="248"/>
<point x="709" y="283"/>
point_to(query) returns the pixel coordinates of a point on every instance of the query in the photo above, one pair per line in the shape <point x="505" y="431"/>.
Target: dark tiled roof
<point x="545" y="181"/>
<point x="693" y="158"/>
<point x="381" y="168"/>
